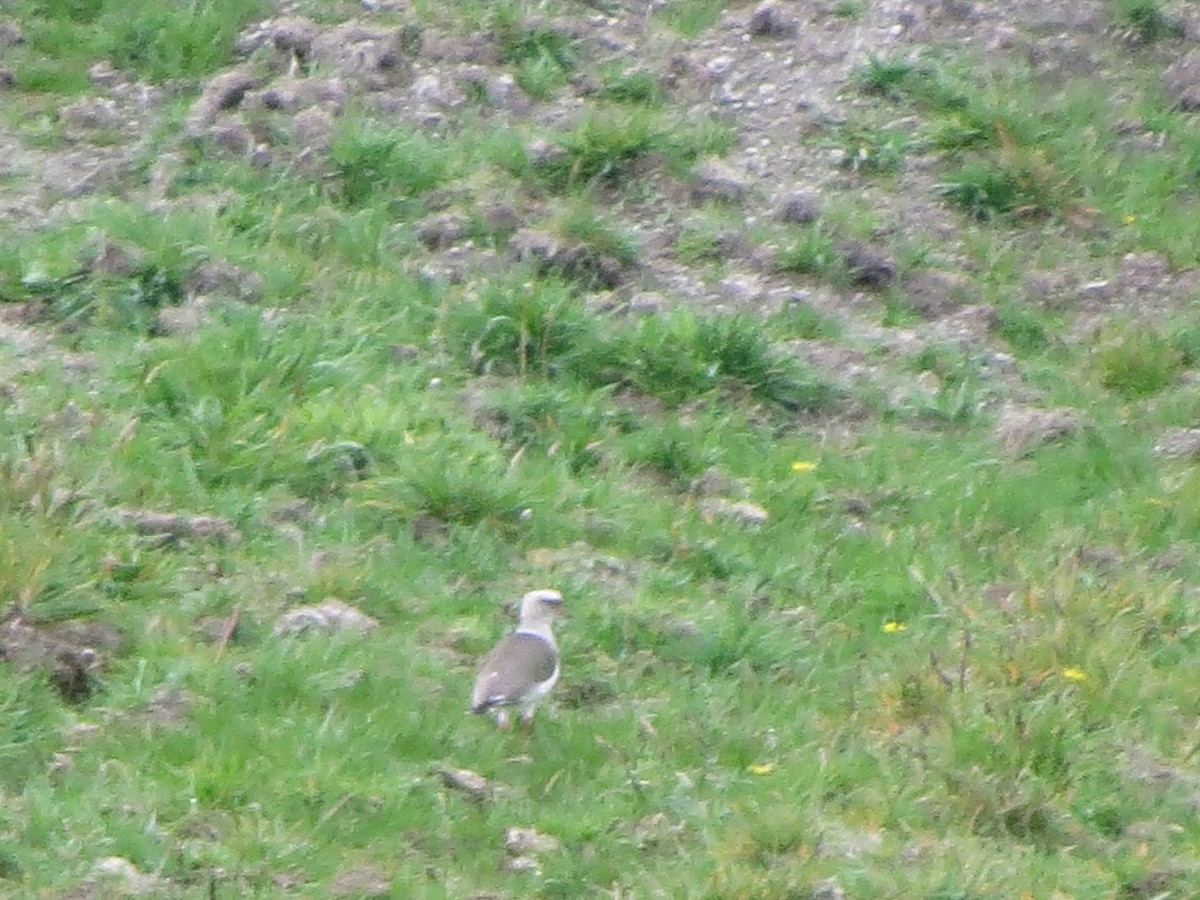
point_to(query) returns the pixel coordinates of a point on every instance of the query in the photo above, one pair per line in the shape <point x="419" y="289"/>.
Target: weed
<point x="986" y="189"/>
<point x="883" y="78"/>
<point x="637" y="87"/>
<point x="871" y="152"/>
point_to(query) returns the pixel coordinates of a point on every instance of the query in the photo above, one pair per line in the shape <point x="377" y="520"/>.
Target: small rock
<point x="655" y="829"/>
<point x="866" y="266"/>
<point x="1103" y="559"/>
<point x="1182" y="81"/>
<point x="217" y="277"/>
<point x="7" y="78"/>
<point x="168" y="708"/>
<point x="524" y="864"/>
<point x="474" y="785"/>
<point x="294" y="94"/>
<point x="742" y="290"/>
<point x="716" y="180"/>
<point x="442" y="230"/>
<point x="361" y="881"/>
<point x="287" y="35"/>
<point x="767" y="20"/>
<point x="433" y="91"/>
<point x="572" y="261"/>
<point x="405" y="352"/>
<point x="73" y="676"/>
<point x="1179" y="442"/>
<point x="1020" y="431"/>
<point x="740" y="511"/>
<point x="718" y="67"/>
<point x="329" y="615"/>
<point x="499" y="218"/>
<point x="178" y="526"/>
<point x="845" y="843"/>
<point x="180" y="321"/>
<point x="525" y="841"/>
<point x="827" y="889"/>
<point x="472" y="48"/>
<point x="135" y="882"/>
<point x="713" y="483"/>
<point x="109" y="257"/>
<point x="646" y="303"/>
<point x="801" y="208"/>
<point x="503" y="92"/>
<point x="312" y="131"/>
<point x="932" y="294"/>
<point x="231" y="136"/>
<point x="221" y="93"/>
<point x="10" y="35"/>
<point x="374" y="57"/>
<point x="93" y="114"/>
<point x="62" y="762"/>
<point x="102" y="74"/>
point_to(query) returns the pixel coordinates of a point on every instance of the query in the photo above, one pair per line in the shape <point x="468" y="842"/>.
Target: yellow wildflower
<point x="1129" y="220"/>
<point x="893" y="627"/>
<point x="761" y="769"/>
<point x="800" y="467"/>
<point x="1072" y="674"/>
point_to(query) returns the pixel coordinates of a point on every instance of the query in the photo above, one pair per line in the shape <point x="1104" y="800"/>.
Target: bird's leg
<point x="527" y="722"/>
<point x="502" y="719"/>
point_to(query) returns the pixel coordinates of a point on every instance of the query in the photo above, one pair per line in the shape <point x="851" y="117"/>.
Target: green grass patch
<point x="691" y="17"/>
<point x="168" y="42"/>
<point x="813" y="630"/>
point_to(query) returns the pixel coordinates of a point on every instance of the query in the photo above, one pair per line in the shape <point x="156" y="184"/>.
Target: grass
<point x="934" y="669"/>
<point x="64" y="39"/>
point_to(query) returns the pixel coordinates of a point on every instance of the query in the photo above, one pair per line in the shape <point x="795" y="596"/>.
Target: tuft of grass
<point x="1144" y="22"/>
<point x="1021" y="329"/>
<point x="610" y="142"/>
<point x="800" y="321"/>
<point x="691" y="17"/>
<point x="374" y="162"/>
<point x="813" y="252"/>
<point x="581" y="223"/>
<point x="699" y="244"/>
<point x="991" y="188"/>
<point x="544" y="57"/>
<point x="520" y="328"/>
<point x="1138" y="362"/>
<point x="636" y="87"/>
<point x="883" y="77"/>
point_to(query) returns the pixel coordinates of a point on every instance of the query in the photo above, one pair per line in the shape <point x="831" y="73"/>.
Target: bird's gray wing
<point x="515" y="665"/>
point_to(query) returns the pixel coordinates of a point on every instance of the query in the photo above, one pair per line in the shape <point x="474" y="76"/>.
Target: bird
<point x="522" y="669"/>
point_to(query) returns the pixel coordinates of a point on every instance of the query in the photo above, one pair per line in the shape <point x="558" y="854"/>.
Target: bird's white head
<point x="540" y="607"/>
